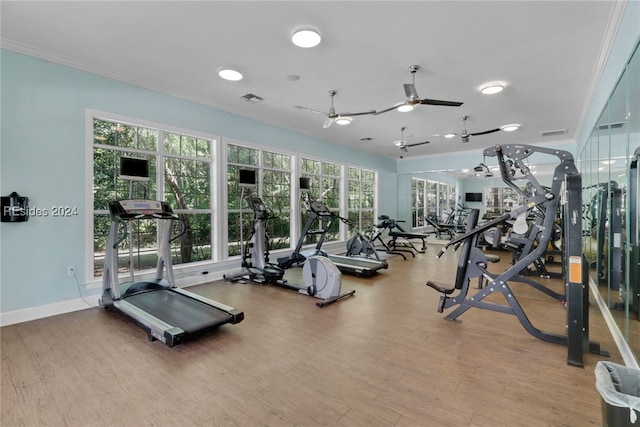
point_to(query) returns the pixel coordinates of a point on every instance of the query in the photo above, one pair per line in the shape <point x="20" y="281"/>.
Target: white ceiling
<point x="549" y="54"/>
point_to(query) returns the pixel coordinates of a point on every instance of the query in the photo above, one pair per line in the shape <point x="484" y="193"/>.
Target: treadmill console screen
<point x="137" y="206"/>
<point x="140" y="209"/>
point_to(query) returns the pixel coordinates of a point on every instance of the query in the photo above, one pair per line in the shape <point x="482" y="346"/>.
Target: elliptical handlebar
<point x="184" y="229"/>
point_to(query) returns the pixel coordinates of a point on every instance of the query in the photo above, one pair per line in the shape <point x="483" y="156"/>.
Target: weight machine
<point x="543" y="202"/>
<point x="401" y="238"/>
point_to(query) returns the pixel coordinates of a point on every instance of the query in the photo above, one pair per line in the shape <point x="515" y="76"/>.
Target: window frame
<point x="160" y="154"/>
<point x="260" y="169"/>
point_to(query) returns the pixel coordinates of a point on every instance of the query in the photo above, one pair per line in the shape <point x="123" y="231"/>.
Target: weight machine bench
<point x="473" y="263"/>
<point x="397" y="232"/>
<point x="440" y="229"/>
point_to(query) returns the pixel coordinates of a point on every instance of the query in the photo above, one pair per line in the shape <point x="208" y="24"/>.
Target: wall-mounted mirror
<point x="438" y="202"/>
<point x="610" y="204"/>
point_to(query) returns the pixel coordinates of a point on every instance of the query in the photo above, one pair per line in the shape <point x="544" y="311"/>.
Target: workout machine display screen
<point x="247" y="177"/>
<point x="305" y="183"/>
<point x="473" y="197"/>
<point x="133" y="169"/>
<point x="139" y="206"/>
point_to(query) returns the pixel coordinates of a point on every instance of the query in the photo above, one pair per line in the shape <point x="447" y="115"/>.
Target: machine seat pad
<point x="407" y="235"/>
<point x="444" y="289"/>
<point x="492" y="258"/>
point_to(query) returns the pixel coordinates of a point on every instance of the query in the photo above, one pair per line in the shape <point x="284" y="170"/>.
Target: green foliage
<point x="274" y="187"/>
<point x="187" y="187"/>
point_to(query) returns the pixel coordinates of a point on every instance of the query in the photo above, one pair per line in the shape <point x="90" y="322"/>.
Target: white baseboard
<point x="48" y="310"/>
<point x="91" y="301"/>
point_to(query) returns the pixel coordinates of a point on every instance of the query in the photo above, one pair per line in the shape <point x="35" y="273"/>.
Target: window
<point x="499" y="200"/>
<point x="180" y="173"/>
<point x="418" y="205"/>
<point x="362" y="194"/>
<point x="440" y="201"/>
<point x="324" y="180"/>
<point x="273" y="173"/>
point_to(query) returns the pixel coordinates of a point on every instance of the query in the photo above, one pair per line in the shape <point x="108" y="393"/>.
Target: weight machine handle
<point x="479" y="229"/>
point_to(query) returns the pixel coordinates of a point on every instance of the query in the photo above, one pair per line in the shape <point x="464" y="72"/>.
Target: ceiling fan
<point x="466" y="135"/>
<point x="484" y="169"/>
<point x="332" y="116"/>
<point x="413" y="99"/>
<point x="402" y="144"/>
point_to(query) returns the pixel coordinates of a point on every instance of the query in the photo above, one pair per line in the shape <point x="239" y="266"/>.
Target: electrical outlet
<point x="71" y="271"/>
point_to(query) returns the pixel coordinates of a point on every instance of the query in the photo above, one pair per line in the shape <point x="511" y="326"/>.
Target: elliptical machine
<point x="321" y="277"/>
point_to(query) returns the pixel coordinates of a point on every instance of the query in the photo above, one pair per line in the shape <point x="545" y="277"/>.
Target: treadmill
<point x="358" y="266"/>
<point x="168" y="313"/>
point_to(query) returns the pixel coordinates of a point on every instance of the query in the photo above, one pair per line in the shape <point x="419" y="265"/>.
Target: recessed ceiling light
<point x="492" y="88"/>
<point x="343" y="120"/>
<point x="404" y="108"/>
<point x="449" y="135"/>
<point x="232" y="74"/>
<point x="510" y="128"/>
<point x="306" y="37"/>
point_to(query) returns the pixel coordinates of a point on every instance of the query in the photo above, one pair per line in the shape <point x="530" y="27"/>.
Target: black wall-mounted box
<point x="15" y="208"/>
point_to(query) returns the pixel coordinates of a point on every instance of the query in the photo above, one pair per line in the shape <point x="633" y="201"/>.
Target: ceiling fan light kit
<point x="464" y="136"/>
<point x="306" y="37"/>
<point x="483" y="168"/>
<point x="404" y="108"/>
<point x="343" y="120"/>
<point x="402" y="144"/>
<point x="510" y="127"/>
<point x="332" y="116"/>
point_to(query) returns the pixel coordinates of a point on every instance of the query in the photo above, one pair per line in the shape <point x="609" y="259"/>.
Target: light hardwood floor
<point x="382" y="358"/>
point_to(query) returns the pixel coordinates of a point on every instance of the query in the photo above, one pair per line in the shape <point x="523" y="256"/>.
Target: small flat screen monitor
<point x="305" y="183"/>
<point x="133" y="169"/>
<point x="247" y="177"/>
<point x="473" y="197"/>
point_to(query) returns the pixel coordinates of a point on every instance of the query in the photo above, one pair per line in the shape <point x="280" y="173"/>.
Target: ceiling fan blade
<point x="310" y="110"/>
<point x="362" y="113"/>
<point x="442" y="103"/>
<point x="418" y="143"/>
<point x="410" y="91"/>
<point x="327" y="122"/>
<point x="404" y="148"/>
<point x="485" y="132"/>
<point x="389" y="109"/>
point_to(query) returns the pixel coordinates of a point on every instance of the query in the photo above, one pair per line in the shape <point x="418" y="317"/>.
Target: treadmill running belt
<point x="178" y="310"/>
<point x="354" y="262"/>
